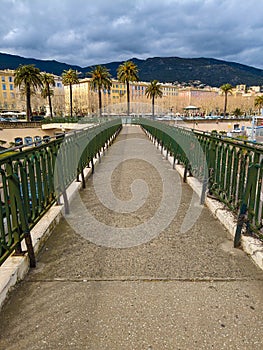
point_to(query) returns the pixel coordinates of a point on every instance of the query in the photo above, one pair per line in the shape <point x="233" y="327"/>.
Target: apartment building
<point x="84" y="98"/>
<point x="114" y="101"/>
<point x="13" y="99"/>
<point x="8" y="92"/>
<point x="58" y="98"/>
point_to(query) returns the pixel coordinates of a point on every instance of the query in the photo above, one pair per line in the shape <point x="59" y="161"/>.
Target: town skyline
<point x="175" y="70"/>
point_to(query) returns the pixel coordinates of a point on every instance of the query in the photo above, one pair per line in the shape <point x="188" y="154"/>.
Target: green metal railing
<point x="230" y="169"/>
<point x="31" y="181"/>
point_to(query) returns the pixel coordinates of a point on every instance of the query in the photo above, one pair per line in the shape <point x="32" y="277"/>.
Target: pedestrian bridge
<point x="137" y="261"/>
<point x="33" y="180"/>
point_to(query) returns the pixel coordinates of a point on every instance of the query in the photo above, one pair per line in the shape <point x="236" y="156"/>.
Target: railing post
<point x="19" y="206"/>
<point x="174" y="160"/>
<point x="61" y="184"/>
<point x="83" y="179"/>
<point x="204" y="188"/>
<point x="242" y="218"/>
<point x="92" y="166"/>
<point x="185" y="172"/>
<point x="248" y="202"/>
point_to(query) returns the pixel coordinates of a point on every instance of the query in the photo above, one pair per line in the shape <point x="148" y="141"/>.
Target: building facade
<point x="8" y="92"/>
<point x="114" y="101"/>
<point x="13" y="99"/>
<point x="210" y="101"/>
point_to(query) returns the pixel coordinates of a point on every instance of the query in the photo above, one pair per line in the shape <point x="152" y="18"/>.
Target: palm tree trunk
<point x="225" y="104"/>
<point x="100" y="103"/>
<point x="49" y="101"/>
<point x="50" y="106"/>
<point x="153" y="107"/>
<point x="128" y="97"/>
<point x="70" y="96"/>
<point x="28" y="103"/>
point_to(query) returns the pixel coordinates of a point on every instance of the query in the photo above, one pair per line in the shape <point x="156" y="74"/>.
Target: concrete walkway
<point x="126" y="270"/>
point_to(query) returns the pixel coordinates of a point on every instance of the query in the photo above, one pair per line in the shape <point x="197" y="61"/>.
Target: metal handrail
<point x="33" y="179"/>
<point x="231" y="169"/>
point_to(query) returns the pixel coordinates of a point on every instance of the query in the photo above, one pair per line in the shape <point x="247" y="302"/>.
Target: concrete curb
<point x="252" y="246"/>
<point x="15" y="268"/>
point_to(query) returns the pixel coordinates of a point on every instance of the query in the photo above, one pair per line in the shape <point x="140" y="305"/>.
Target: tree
<point x="237" y="112"/>
<point x="70" y="77"/>
<point x="153" y="91"/>
<point x="28" y="77"/>
<point x="259" y="102"/>
<point x="100" y="79"/>
<point x="48" y="81"/>
<point x="226" y="89"/>
<point x="127" y="72"/>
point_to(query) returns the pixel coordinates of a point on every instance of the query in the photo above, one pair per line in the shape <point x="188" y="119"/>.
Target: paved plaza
<point x="138" y="264"/>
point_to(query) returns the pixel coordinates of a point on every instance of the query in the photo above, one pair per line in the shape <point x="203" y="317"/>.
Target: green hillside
<point x="209" y="71"/>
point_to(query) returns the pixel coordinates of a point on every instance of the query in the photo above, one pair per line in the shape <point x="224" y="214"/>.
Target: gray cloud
<point x="87" y="32"/>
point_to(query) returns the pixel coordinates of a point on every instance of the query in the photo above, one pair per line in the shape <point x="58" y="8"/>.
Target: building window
<point x="4" y="94"/>
<point x="3" y="78"/>
<point x="12" y="95"/>
<point x="11" y="87"/>
<point x="3" y="86"/>
<point x="10" y="79"/>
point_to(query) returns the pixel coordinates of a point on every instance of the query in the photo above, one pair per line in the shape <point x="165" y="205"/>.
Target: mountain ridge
<point x="209" y="71"/>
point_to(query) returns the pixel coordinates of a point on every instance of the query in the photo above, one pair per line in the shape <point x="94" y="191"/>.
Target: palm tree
<point x="126" y="72"/>
<point x="153" y="91"/>
<point x="227" y="89"/>
<point x="259" y="102"/>
<point x="237" y="112"/>
<point x="48" y="81"/>
<point x="28" y="77"/>
<point x="70" y="77"/>
<point x="100" y="79"/>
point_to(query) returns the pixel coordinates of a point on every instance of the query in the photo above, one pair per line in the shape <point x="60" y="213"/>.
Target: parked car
<point x="46" y="138"/>
<point x="28" y="140"/>
<point x="58" y="135"/>
<point x="38" y="140"/>
<point x="12" y="119"/>
<point x="18" y="141"/>
<point x="37" y="118"/>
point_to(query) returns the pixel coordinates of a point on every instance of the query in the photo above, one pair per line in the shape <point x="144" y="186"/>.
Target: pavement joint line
<point x="145" y="279"/>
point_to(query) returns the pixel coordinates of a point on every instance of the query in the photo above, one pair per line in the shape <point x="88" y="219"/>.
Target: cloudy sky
<point x="88" y="32"/>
